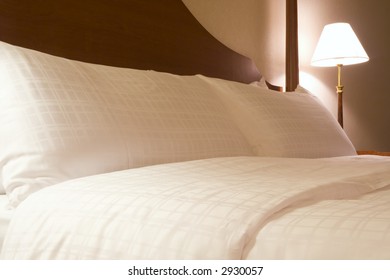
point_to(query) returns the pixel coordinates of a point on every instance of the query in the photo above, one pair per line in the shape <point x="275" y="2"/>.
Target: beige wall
<point x="237" y="24"/>
<point x="242" y="25"/>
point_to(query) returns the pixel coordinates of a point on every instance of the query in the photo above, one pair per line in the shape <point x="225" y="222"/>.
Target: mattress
<point x="5" y="217"/>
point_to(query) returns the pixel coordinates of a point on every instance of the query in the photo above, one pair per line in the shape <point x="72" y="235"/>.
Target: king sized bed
<point x="125" y="135"/>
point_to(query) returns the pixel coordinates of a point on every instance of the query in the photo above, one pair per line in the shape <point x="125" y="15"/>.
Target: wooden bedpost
<point x="292" y="60"/>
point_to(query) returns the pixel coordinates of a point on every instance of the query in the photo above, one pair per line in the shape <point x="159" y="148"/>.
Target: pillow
<point x="283" y="124"/>
<point x="62" y="119"/>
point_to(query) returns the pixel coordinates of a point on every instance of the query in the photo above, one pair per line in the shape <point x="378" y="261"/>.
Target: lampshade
<point x="338" y="45"/>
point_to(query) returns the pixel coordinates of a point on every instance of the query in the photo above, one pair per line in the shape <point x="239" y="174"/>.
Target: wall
<point x="238" y="25"/>
<point x="242" y="25"/>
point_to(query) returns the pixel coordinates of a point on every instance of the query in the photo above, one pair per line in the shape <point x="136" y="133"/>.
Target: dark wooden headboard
<point x="141" y="34"/>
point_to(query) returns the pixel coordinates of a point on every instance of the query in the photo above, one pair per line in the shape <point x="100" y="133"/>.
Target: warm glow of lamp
<point x="338" y="46"/>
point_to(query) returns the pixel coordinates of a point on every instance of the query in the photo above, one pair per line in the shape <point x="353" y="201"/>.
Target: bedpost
<point x="292" y="61"/>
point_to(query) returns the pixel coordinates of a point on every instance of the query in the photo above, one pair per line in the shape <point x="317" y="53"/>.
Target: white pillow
<point x="62" y="119"/>
<point x="283" y="124"/>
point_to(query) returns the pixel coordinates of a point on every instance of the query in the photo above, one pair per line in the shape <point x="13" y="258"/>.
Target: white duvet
<point x="220" y="208"/>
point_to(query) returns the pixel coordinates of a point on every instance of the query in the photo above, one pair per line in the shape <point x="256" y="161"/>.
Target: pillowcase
<point x="283" y="124"/>
<point x="62" y="119"/>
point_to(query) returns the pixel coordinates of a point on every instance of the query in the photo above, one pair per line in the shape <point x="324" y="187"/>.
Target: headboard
<point x="152" y="34"/>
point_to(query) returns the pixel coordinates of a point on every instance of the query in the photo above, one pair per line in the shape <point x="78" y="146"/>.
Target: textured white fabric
<point x="205" y="209"/>
<point x="63" y="119"/>
<point x="283" y="124"/>
<point x="333" y="229"/>
<point x="5" y="217"/>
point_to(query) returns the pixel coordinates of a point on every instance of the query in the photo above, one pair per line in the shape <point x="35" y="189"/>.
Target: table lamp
<point x="338" y="45"/>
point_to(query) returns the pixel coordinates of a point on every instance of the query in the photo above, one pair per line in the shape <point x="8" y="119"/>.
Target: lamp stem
<point x="340" y="95"/>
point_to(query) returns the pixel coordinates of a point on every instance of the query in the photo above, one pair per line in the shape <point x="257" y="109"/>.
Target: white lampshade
<point x="338" y="44"/>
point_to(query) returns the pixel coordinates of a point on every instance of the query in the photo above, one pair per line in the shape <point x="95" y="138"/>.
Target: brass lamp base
<point x="339" y="89"/>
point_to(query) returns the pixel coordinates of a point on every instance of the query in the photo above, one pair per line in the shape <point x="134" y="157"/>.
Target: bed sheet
<point x="5" y="217"/>
<point x="333" y="229"/>
<point x="205" y="209"/>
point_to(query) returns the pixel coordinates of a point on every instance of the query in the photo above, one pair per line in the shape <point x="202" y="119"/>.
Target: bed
<point x="164" y="148"/>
